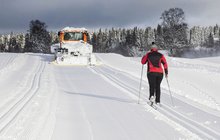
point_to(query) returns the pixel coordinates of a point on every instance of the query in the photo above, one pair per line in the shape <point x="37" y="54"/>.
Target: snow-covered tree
<point x="216" y="31"/>
<point x="104" y="40"/>
<point x="39" y="37"/>
<point x="112" y="38"/>
<point x="94" y="42"/>
<point x="159" y="37"/>
<point x="122" y="48"/>
<point x="206" y="33"/>
<point x="210" y="41"/>
<point x="196" y="36"/>
<point x="129" y="42"/>
<point x="142" y="40"/>
<point x="20" y="39"/>
<point x="174" y="28"/>
<point x="99" y="41"/>
<point x="149" y="36"/>
<point x="135" y="45"/>
<point x="54" y="37"/>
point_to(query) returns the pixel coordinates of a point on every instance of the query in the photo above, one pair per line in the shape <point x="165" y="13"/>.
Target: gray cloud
<point x="16" y="14"/>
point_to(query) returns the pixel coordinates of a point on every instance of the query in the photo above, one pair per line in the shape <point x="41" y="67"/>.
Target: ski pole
<point x="140" y="83"/>
<point x="171" y="97"/>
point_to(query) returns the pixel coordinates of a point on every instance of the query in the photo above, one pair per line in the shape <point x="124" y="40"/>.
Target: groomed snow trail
<point x="93" y="107"/>
<point x="42" y="101"/>
<point x="27" y="97"/>
<point x="194" y="86"/>
<point x="188" y="116"/>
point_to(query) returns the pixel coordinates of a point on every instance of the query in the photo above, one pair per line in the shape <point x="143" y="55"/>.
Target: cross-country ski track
<point x="42" y="101"/>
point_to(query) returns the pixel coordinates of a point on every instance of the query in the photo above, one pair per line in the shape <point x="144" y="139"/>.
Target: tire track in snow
<point x="184" y="120"/>
<point x="122" y="129"/>
<point x="82" y="111"/>
<point x="13" y="111"/>
<point x="87" y="121"/>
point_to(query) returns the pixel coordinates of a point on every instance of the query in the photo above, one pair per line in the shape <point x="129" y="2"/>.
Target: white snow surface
<point x="74" y="29"/>
<point x="42" y="101"/>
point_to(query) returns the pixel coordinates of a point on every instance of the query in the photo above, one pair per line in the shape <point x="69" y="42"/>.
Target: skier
<point x="155" y="71"/>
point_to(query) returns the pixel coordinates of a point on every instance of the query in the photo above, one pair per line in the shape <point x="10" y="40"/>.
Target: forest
<point x="172" y="34"/>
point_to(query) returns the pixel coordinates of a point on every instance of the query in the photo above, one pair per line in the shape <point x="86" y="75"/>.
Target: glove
<point x="166" y="73"/>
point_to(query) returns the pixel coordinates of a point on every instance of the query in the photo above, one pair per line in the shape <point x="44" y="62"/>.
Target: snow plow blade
<point x="74" y="60"/>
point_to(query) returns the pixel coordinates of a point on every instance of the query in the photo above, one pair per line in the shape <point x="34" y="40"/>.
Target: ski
<point x="159" y="105"/>
<point x="151" y="104"/>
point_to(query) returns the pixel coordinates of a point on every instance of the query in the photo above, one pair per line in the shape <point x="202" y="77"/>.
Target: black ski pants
<point x="154" y="80"/>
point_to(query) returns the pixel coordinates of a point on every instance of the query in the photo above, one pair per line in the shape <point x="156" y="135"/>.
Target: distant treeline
<point x="134" y="42"/>
<point x="172" y="34"/>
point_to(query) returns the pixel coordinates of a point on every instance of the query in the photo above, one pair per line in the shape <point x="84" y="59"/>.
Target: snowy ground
<point x="42" y="101"/>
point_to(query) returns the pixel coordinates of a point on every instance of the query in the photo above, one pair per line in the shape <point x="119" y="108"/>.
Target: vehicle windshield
<point x="73" y="36"/>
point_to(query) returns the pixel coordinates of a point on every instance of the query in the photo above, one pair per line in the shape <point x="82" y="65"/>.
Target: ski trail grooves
<point x="134" y="95"/>
<point x="197" y="128"/>
<point x="7" y="60"/>
<point x="212" y="102"/>
<point x="9" y="63"/>
<point x="9" y="115"/>
<point x="201" y="130"/>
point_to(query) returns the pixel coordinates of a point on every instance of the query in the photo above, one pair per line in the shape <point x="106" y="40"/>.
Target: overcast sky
<point x="15" y="15"/>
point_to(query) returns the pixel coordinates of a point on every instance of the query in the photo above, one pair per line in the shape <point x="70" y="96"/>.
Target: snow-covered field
<point x="42" y="101"/>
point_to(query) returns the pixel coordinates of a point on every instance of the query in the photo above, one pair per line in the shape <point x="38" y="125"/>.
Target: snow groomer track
<point x="40" y="100"/>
